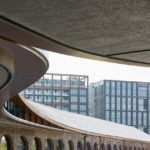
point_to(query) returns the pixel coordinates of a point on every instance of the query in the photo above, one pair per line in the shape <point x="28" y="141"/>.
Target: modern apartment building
<point x="62" y="91"/>
<point x="121" y="101"/>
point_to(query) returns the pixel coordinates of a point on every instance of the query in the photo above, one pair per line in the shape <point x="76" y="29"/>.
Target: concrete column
<point x="29" y="140"/>
<point x="43" y="143"/>
<point x="65" y="144"/>
<point x="55" y="144"/>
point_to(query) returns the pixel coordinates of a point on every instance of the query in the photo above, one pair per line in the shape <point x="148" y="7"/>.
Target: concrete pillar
<point x="65" y="144"/>
<point x="55" y="144"/>
<point x="29" y="140"/>
<point x="43" y="143"/>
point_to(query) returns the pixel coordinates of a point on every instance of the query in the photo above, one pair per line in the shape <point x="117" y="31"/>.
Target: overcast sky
<point x="96" y="70"/>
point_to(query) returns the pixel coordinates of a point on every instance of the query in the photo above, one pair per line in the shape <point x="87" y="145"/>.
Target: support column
<point x="14" y="142"/>
<point x="84" y="142"/>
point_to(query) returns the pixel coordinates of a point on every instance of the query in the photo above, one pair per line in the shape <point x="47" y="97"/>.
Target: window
<point x="129" y="103"/>
<point x="47" y="92"/>
<point x="65" y="107"/>
<point x="65" y="92"/>
<point x="82" y="107"/>
<point x="107" y="115"/>
<point x="118" y="88"/>
<point x="74" y="107"/>
<point x="118" y="116"/>
<point x="107" y="88"/>
<point x="82" y="99"/>
<point x="129" y="118"/>
<point x="112" y="103"/>
<point x="139" y="118"/>
<point x="74" y="81"/>
<point x="65" y="99"/>
<point x="140" y="104"/>
<point x="56" y="98"/>
<point x="74" y="92"/>
<point x="39" y="98"/>
<point x="113" y="116"/>
<point x="123" y="103"/>
<point x="112" y="88"/>
<point x="134" y="89"/>
<point x="129" y="89"/>
<point x="142" y="89"/>
<point x="134" y="118"/>
<point x="57" y="92"/>
<point x="74" y="99"/>
<point x="82" y="92"/>
<point x="134" y="104"/>
<point x="38" y="91"/>
<point x="123" y="88"/>
<point x="118" y="103"/>
<point x="107" y="102"/>
<point x="124" y="117"/>
<point x="47" y="98"/>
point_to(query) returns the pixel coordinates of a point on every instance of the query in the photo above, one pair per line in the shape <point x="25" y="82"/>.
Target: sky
<point x="96" y="70"/>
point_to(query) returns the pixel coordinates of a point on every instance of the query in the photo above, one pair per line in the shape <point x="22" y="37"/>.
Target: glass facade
<point x="124" y="102"/>
<point x="66" y="92"/>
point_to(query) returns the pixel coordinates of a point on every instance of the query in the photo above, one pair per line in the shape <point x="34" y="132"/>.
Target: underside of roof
<point x="112" y="29"/>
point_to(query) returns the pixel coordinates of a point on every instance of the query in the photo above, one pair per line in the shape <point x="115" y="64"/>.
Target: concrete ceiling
<point x="109" y="28"/>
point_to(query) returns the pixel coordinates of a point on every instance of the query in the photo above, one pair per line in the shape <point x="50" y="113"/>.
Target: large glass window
<point x="56" y="80"/>
<point x="74" y="99"/>
<point x="66" y="81"/>
<point x="29" y="91"/>
<point x="65" y="99"/>
<point x="57" y="92"/>
<point x="118" y="103"/>
<point x="124" y="117"/>
<point x="107" y="87"/>
<point x="82" y="99"/>
<point x="123" y="103"/>
<point x="129" y="103"/>
<point x="142" y="89"/>
<point x="56" y="98"/>
<point x="74" y="92"/>
<point x="134" y="104"/>
<point x="74" y="107"/>
<point x="112" y="103"/>
<point x="113" y="116"/>
<point x="112" y="88"/>
<point x="47" y="98"/>
<point x="82" y="92"/>
<point x="82" y="107"/>
<point x="129" y="89"/>
<point x="134" y="89"/>
<point x="118" y="88"/>
<point x="129" y="118"/>
<point x="118" y="116"/>
<point x="83" y="81"/>
<point x="134" y="118"/>
<point x="74" y="81"/>
<point x="39" y="98"/>
<point x="65" y="92"/>
<point x="140" y="104"/>
<point x="107" y="103"/>
<point x="39" y="82"/>
<point x="47" y="80"/>
<point x="38" y="91"/>
<point x="47" y="92"/>
<point x="139" y="118"/>
<point x="65" y="107"/>
<point x="107" y="115"/>
<point x="144" y="118"/>
<point x="123" y="88"/>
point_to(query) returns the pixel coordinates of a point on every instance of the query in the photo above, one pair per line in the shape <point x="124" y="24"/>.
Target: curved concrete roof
<point x="88" y="125"/>
<point x="113" y="29"/>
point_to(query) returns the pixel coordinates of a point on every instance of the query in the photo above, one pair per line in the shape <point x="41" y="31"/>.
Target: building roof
<point x="89" y="125"/>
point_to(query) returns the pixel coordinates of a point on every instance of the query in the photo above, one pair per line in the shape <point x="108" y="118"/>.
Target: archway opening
<point x="88" y="146"/>
<point x="36" y="144"/>
<point x="95" y="146"/>
<point x="109" y="147"/>
<point x="21" y="143"/>
<point x="102" y="146"/>
<point x="49" y="145"/>
<point x="115" y="147"/>
<point x="70" y="145"/>
<point x="79" y="146"/>
<point x="59" y="145"/>
<point x="5" y="143"/>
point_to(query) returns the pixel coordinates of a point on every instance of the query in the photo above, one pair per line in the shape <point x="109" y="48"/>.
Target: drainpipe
<point x="84" y="140"/>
